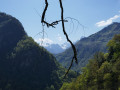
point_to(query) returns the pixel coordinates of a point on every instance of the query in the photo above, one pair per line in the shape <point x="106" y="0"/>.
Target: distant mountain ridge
<point x="56" y="48"/>
<point x="88" y="46"/>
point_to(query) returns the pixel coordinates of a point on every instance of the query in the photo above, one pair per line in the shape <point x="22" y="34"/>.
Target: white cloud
<point x="107" y="22"/>
<point x="44" y="42"/>
<point x="59" y="37"/>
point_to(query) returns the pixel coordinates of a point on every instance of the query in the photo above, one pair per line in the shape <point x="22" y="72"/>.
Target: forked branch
<point x="43" y="17"/>
<point x="63" y="27"/>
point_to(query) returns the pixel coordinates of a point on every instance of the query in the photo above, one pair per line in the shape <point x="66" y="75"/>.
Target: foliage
<point x="102" y="72"/>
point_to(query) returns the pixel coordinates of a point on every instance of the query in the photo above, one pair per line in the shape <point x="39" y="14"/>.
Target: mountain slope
<point x="102" y="72"/>
<point x="35" y="65"/>
<point x="54" y="48"/>
<point x="24" y="65"/>
<point x="88" y="46"/>
<point x="10" y="28"/>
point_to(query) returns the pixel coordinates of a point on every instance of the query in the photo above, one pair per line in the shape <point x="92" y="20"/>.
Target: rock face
<point x="24" y="65"/>
<point x="88" y="46"/>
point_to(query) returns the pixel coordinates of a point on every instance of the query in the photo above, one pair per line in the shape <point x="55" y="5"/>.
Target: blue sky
<point x="92" y="14"/>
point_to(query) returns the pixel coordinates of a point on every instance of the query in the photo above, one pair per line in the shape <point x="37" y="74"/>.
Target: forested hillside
<point x="88" y="46"/>
<point x="102" y="72"/>
<point x="24" y="65"/>
<point x="11" y="31"/>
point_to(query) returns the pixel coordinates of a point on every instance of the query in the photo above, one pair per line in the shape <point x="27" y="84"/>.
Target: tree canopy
<point x="102" y="72"/>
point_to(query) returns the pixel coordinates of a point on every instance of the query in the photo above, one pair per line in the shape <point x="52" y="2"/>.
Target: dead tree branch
<point x="43" y="17"/>
<point x="63" y="27"/>
<point x="73" y="47"/>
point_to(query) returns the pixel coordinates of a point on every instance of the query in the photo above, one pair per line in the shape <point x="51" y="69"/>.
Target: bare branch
<point x="69" y="67"/>
<point x="44" y="12"/>
<point x="73" y="47"/>
<point x="43" y="17"/>
<point x="63" y="27"/>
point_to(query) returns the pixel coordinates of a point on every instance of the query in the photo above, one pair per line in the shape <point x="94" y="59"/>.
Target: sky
<point x="89" y="16"/>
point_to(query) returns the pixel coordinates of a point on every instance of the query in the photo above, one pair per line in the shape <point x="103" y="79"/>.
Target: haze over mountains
<point x="88" y="46"/>
<point x="56" y="48"/>
<point x="53" y="48"/>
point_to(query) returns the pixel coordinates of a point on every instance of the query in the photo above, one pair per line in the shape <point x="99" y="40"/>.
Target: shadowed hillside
<point x="24" y="65"/>
<point x="11" y="31"/>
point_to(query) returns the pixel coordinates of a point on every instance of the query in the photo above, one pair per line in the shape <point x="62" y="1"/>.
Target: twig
<point x="73" y="47"/>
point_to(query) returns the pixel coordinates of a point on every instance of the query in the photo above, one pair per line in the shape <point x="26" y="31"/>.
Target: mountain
<point x="65" y="45"/>
<point x="24" y="65"/>
<point x="10" y="28"/>
<point x="88" y="46"/>
<point x="56" y="48"/>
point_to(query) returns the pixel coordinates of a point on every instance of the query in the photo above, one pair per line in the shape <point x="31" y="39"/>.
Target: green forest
<point x="102" y="72"/>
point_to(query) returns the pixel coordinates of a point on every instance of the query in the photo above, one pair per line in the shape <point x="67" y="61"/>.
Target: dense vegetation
<point x="11" y="31"/>
<point x="102" y="72"/>
<point x="24" y="65"/>
<point x="88" y="46"/>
